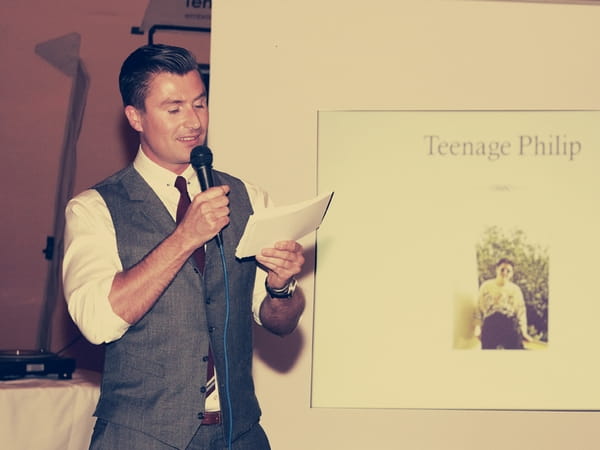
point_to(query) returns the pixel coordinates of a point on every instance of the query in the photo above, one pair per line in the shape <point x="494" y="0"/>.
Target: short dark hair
<point x="505" y="261"/>
<point x="144" y="63"/>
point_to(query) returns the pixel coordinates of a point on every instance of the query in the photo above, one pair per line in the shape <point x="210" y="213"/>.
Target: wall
<point x="35" y="96"/>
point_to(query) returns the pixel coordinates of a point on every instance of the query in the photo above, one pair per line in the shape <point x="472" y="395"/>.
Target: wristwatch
<point x="283" y="292"/>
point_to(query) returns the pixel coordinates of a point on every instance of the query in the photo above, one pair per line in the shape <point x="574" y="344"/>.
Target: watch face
<point x="292" y="287"/>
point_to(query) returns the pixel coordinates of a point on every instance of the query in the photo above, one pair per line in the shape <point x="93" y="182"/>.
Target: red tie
<point x="199" y="257"/>
<point x="182" y="206"/>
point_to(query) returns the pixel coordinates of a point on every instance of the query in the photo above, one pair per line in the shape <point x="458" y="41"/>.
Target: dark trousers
<point x="111" y="436"/>
<point x="500" y="331"/>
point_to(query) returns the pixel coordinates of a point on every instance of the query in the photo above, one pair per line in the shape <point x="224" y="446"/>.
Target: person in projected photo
<point x="132" y="280"/>
<point x="501" y="318"/>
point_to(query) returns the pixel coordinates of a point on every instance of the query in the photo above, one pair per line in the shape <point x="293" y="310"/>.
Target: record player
<point x="21" y="363"/>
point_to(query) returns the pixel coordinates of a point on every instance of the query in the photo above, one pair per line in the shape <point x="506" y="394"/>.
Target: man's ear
<point x="134" y="117"/>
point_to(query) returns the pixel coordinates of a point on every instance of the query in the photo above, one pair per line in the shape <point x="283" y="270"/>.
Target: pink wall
<point x="35" y="100"/>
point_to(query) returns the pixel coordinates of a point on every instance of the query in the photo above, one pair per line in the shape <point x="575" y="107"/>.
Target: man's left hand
<point x="283" y="262"/>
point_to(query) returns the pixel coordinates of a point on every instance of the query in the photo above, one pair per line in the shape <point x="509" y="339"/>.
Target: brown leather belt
<point x="211" y="418"/>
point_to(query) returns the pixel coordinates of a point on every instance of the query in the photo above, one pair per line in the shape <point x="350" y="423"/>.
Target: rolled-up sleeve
<point x="90" y="263"/>
<point x="259" y="199"/>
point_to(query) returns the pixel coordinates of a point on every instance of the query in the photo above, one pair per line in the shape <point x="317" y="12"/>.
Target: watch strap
<point x="283" y="292"/>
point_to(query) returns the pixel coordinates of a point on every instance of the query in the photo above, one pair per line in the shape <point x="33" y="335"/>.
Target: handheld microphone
<point x="201" y="159"/>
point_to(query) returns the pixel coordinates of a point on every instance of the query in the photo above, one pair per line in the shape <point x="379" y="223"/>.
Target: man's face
<point x="175" y="120"/>
<point x="504" y="271"/>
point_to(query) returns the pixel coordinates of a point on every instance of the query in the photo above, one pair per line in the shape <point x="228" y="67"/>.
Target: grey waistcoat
<point x="153" y="375"/>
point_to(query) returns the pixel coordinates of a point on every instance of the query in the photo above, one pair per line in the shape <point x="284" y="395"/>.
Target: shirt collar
<point x="158" y="177"/>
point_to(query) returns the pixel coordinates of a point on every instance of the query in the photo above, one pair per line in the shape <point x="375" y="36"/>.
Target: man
<point x="501" y="318"/>
<point x="131" y="279"/>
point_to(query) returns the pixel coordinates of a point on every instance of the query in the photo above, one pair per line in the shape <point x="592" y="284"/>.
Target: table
<point x="47" y="413"/>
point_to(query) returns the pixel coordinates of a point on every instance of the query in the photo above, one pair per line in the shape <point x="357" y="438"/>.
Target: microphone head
<point x="201" y="156"/>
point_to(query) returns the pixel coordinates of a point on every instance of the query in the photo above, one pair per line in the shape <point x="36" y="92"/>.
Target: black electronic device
<point x="16" y="364"/>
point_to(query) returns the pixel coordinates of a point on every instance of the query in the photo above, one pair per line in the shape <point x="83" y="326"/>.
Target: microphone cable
<point x="225" y="344"/>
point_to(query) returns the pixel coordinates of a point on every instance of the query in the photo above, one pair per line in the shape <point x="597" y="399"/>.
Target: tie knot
<point x="181" y="185"/>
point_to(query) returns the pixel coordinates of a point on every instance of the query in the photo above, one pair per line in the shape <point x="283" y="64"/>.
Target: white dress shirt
<point x="91" y="258"/>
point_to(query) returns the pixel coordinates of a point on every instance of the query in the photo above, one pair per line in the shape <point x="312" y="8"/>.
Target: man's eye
<point x="200" y="106"/>
<point x="173" y="111"/>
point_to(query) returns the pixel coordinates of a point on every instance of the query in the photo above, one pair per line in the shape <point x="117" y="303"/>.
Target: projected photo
<point x="512" y="302"/>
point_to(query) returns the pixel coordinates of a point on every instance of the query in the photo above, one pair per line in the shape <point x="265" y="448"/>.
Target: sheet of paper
<point x="291" y="222"/>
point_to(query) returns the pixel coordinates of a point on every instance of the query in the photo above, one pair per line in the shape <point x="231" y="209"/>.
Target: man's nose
<point x="192" y="120"/>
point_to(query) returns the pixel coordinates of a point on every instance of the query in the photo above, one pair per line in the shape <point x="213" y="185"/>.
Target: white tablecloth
<point x="46" y="413"/>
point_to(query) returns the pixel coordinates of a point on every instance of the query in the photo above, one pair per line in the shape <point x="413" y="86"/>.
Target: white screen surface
<point x="274" y="65"/>
<point x="397" y="279"/>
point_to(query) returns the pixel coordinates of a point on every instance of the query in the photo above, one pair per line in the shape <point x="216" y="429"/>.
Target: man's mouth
<point x="188" y="139"/>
